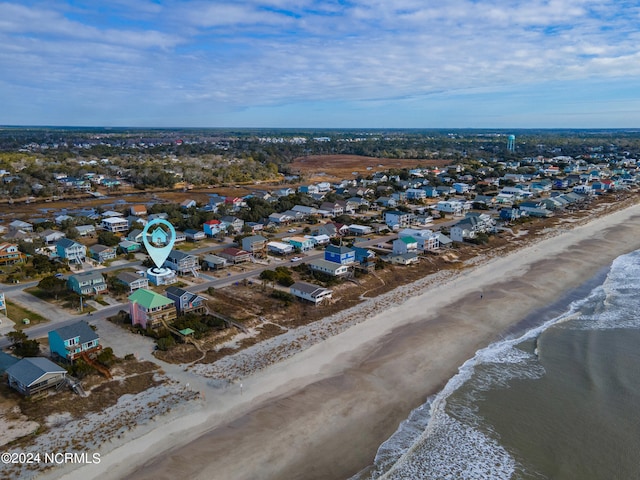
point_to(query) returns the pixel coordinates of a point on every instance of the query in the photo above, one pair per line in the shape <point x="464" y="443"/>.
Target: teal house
<point x="73" y="341"/>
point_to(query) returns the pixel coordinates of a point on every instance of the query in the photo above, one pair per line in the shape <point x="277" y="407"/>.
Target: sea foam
<point x="445" y="438"/>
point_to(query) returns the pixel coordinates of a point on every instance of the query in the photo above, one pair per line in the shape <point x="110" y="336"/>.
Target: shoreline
<point x="340" y="398"/>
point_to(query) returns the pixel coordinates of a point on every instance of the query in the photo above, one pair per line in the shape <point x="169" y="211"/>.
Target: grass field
<point x="17" y="313"/>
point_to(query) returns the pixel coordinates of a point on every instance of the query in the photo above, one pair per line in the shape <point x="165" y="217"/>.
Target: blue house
<point x="71" y="251"/>
<point x="510" y="214"/>
<point x="73" y="341"/>
<point x="431" y="191"/>
<point x="339" y="254"/>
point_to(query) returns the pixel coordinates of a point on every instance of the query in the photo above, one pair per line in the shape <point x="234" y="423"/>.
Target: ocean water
<point x="559" y="400"/>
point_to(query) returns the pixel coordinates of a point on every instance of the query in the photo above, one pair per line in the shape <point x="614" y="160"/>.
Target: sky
<point x="321" y="64"/>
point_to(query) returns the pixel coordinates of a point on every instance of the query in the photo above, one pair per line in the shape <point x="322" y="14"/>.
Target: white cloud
<point x="267" y="52"/>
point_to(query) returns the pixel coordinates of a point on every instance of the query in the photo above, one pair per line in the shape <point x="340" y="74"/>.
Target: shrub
<point x="165" y="343"/>
<point x="285" y="297"/>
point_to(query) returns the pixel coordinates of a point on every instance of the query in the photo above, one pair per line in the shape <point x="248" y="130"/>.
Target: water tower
<point x="511" y="143"/>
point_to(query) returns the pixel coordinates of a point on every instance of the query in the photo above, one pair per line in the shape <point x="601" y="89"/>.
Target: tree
<point x="22" y="346"/>
<point x="17" y="336"/>
<point x="108" y="238"/>
<point x="52" y="286"/>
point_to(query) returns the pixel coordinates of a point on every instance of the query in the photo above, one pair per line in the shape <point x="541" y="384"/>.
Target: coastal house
<point x="212" y="227"/>
<point x="328" y="229"/>
<point x="115" y="224"/>
<point x="135" y="235"/>
<point x="331" y="268"/>
<point x="365" y="258"/>
<point x="256" y="245"/>
<point x="182" y="263"/>
<point x="359" y="230"/>
<point x="71" y="251"/>
<point x="339" y="254"/>
<point x="185" y="301"/>
<point x="332" y="208"/>
<point x="150" y="309"/>
<point x="31" y="376"/>
<point x="86" y="230"/>
<point x="408" y="258"/>
<point x="133" y="281"/>
<point x="10" y="255"/>
<point x="301" y="244"/>
<point x="235" y="255"/>
<point x="127" y="246"/>
<point x="279" y="248"/>
<point x="188" y="203"/>
<point x="470" y="226"/>
<point x="319" y="239"/>
<point x="137" y="210"/>
<point x="398" y="219"/>
<point x="416" y="194"/>
<point x="20" y="226"/>
<point x="50" y="237"/>
<point x="72" y="341"/>
<point x="194" y="235"/>
<point x="102" y="253"/>
<point x="312" y="293"/>
<point x="234" y="222"/>
<point x="280" y="218"/>
<point x="404" y="245"/>
<point x="213" y="262"/>
<point x="454" y="207"/>
<point x="87" y="283"/>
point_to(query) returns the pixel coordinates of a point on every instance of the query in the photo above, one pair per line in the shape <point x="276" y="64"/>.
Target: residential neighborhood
<point x="252" y="261"/>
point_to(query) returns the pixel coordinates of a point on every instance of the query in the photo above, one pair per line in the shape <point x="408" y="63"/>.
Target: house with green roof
<point x="405" y="245"/>
<point x="150" y="309"/>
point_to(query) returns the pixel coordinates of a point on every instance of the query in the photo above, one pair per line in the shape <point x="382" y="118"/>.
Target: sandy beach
<point x="323" y="412"/>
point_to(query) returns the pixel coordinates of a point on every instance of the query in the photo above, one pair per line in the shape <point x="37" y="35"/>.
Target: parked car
<point x="292" y="230"/>
<point x="296" y="259"/>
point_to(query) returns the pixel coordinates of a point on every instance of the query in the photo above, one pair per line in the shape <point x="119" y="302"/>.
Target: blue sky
<point x="336" y="63"/>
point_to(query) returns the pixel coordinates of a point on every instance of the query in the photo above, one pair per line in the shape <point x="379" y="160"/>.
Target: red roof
<point x="213" y="222"/>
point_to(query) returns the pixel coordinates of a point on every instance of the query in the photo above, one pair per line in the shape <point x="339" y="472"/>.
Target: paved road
<point x="59" y="318"/>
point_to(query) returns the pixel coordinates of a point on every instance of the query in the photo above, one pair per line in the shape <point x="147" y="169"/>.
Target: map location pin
<point x="162" y="237"/>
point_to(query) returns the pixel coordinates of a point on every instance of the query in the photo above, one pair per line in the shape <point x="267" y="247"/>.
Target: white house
<point x="401" y="219"/>
<point x="405" y="245"/>
<point x="115" y="224"/>
<point x="312" y="293"/>
<point x="325" y="266"/>
<point x="428" y="240"/>
<point x="450" y="206"/>
<point x="279" y="248"/>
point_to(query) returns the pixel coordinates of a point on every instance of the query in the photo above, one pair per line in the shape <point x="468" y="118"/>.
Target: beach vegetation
<point x="281" y="276"/>
<point x="106" y="357"/>
<point x="285" y="297"/>
<point x="165" y="343"/>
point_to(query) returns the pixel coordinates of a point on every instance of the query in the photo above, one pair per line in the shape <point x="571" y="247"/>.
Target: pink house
<point x="151" y="310"/>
